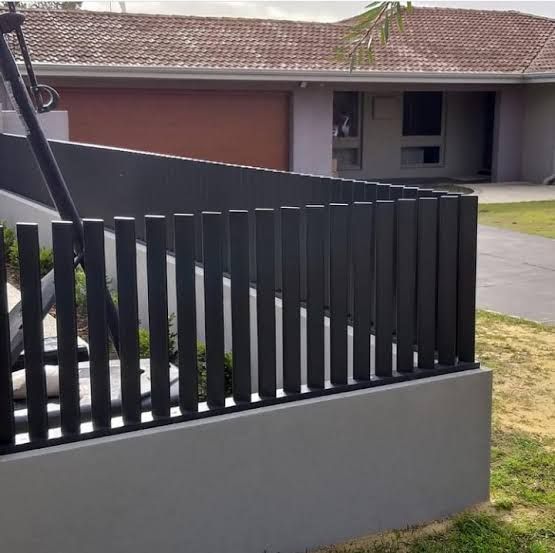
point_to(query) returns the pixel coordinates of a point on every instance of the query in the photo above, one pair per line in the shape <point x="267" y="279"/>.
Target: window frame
<point x="422" y="140"/>
<point x="350" y="142"/>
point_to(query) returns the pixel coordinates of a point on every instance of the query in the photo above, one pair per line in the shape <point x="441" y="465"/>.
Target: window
<point x="420" y="155"/>
<point x="422" y="113"/>
<point x="346" y="129"/>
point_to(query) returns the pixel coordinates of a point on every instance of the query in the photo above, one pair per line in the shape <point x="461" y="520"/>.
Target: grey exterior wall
<point x="54" y="124"/>
<point x="281" y="479"/>
<point x="507" y="134"/>
<point x="311" y="123"/>
<point x="462" y="141"/>
<point x="538" y="142"/>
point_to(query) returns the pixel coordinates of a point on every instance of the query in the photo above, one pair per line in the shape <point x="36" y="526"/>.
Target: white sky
<point x="311" y="10"/>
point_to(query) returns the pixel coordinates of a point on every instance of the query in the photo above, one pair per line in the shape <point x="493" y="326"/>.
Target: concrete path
<point x="506" y="192"/>
<point x="516" y="274"/>
<point x="49" y="323"/>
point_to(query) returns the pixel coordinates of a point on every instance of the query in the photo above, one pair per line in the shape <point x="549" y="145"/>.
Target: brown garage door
<point x="249" y="128"/>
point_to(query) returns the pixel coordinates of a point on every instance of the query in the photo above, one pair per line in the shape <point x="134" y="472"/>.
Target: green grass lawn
<point x="529" y="217"/>
<point x="521" y="515"/>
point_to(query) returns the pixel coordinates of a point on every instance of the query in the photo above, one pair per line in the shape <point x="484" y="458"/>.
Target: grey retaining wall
<point x="281" y="479"/>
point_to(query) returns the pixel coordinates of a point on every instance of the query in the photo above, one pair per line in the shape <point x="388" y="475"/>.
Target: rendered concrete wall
<point x="54" y="124"/>
<point x="462" y="141"/>
<point x="507" y="134"/>
<point x="311" y="136"/>
<point x="538" y="140"/>
<point x="282" y="479"/>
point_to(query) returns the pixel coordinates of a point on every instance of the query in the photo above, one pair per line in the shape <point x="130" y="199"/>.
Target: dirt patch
<point x="523" y="354"/>
<point x="400" y="539"/>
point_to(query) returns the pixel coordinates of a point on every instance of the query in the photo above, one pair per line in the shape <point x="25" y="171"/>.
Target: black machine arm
<point x="54" y="180"/>
<point x="44" y="96"/>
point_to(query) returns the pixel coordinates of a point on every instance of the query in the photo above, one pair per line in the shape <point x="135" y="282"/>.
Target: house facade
<point x="460" y="94"/>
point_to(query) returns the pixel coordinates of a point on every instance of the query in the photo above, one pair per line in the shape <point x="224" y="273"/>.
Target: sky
<point x="308" y="10"/>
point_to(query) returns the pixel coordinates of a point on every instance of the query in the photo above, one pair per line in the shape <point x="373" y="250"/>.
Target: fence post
<point x="212" y="253"/>
<point x="447" y="280"/>
<point x="66" y="325"/>
<point x="339" y="282"/>
<point x="291" y="298"/>
<point x="466" y="324"/>
<point x="185" y="282"/>
<point x="155" y="227"/>
<point x="101" y="405"/>
<point x="315" y="290"/>
<point x="240" y="304"/>
<point x="265" y="302"/>
<point x="385" y="213"/>
<point x="126" y="266"/>
<point x="362" y="233"/>
<point x="33" y="340"/>
<point x="406" y="283"/>
<point x="427" y="273"/>
<point x="7" y="424"/>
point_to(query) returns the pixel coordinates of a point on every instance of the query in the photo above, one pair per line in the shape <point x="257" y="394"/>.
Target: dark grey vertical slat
<point x="291" y="314"/>
<point x="362" y="227"/>
<point x="339" y="279"/>
<point x="316" y="225"/>
<point x="31" y="308"/>
<point x="240" y="304"/>
<point x="98" y="330"/>
<point x="155" y="227"/>
<point x="406" y="283"/>
<point x="384" y="216"/>
<point x="7" y="424"/>
<point x="410" y="192"/>
<point x="370" y="192"/>
<point x="396" y="192"/>
<point x="466" y="324"/>
<point x="382" y="192"/>
<point x="447" y="280"/>
<point x="126" y="266"/>
<point x="265" y="302"/>
<point x="359" y="191"/>
<point x="214" y="308"/>
<point x="185" y="280"/>
<point x="66" y="326"/>
<point x="427" y="272"/>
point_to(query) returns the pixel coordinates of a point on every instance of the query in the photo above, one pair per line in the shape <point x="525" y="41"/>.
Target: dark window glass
<point x="422" y="113"/>
<point x="346" y="114"/>
<point x="431" y="154"/>
<point x="419" y="155"/>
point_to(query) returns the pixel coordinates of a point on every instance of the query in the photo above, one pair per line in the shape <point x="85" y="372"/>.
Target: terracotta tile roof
<point x="544" y="62"/>
<point x="439" y="40"/>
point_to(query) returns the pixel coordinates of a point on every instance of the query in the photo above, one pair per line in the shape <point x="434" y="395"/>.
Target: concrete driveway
<point x="516" y="274"/>
<point x="506" y="192"/>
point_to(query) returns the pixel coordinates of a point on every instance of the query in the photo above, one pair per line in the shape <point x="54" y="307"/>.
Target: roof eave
<point x="543" y="77"/>
<point x="180" y="73"/>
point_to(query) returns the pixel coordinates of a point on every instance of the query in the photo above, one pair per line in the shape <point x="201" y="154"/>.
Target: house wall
<point x="463" y="138"/>
<point x="311" y="139"/>
<point x="286" y="478"/>
<point x="538" y="138"/>
<point x="507" y="134"/>
<point x="54" y="124"/>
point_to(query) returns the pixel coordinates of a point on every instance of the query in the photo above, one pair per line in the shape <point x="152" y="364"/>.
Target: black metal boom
<point x="53" y="178"/>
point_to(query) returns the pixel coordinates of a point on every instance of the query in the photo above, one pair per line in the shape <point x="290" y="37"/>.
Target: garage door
<point x="244" y="127"/>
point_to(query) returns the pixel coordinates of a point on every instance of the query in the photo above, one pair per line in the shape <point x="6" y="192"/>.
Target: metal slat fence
<point x="408" y="264"/>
